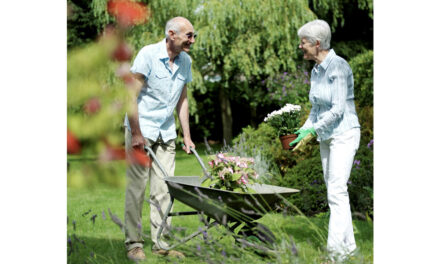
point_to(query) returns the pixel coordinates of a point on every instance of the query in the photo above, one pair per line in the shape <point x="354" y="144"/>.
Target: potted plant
<point x="285" y="121"/>
<point x="232" y="173"/>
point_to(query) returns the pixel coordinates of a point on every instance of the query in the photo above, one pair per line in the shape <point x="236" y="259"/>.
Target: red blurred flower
<point x="128" y="13"/>
<point x="92" y="106"/>
<point x="124" y="73"/>
<point x="140" y="157"/>
<point x="73" y="146"/>
<point x="123" y="52"/>
<point x="112" y="153"/>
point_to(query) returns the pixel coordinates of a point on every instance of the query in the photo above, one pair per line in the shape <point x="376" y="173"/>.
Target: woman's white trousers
<point x="337" y="154"/>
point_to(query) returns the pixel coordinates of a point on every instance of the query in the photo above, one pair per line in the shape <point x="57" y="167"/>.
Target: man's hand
<point x="301" y="134"/>
<point x="137" y="141"/>
<point x="187" y="143"/>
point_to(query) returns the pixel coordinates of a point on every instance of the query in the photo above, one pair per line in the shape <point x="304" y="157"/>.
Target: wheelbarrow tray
<point x="226" y="206"/>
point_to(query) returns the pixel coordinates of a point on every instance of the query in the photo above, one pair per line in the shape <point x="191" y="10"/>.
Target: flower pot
<point x="286" y="139"/>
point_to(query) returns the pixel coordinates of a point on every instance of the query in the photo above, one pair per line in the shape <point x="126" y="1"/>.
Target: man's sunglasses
<point x="190" y="35"/>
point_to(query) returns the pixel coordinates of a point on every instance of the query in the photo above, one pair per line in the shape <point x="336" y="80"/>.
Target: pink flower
<point x="221" y="175"/>
<point x="230" y="170"/>
<point x="211" y="164"/>
<point x="242" y="164"/>
<point x="244" y="179"/>
<point x="220" y="155"/>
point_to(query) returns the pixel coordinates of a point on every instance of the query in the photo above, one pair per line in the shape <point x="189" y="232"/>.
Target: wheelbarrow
<point x="233" y="210"/>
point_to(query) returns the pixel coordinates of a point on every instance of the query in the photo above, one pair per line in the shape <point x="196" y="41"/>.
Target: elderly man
<point x="334" y="120"/>
<point x="162" y="71"/>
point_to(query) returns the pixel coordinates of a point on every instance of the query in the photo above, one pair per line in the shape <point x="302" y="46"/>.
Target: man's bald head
<point x="175" y="24"/>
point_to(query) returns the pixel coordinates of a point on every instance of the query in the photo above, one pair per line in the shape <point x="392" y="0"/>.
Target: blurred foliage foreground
<point x="99" y="91"/>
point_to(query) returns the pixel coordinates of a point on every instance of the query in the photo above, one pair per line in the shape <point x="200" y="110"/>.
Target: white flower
<point x="285" y="109"/>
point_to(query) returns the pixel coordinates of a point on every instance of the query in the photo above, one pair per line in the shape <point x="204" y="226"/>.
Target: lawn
<point x="93" y="237"/>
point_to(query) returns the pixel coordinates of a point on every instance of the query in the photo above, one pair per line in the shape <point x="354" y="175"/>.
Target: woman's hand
<point x="301" y="134"/>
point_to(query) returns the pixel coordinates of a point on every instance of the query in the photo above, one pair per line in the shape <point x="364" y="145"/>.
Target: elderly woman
<point x="333" y="119"/>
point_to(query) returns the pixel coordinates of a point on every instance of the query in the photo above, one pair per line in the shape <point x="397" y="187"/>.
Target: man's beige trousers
<point x="137" y="177"/>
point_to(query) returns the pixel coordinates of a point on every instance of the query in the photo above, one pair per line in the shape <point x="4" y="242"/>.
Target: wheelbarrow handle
<point x="205" y="171"/>
<point x="151" y="153"/>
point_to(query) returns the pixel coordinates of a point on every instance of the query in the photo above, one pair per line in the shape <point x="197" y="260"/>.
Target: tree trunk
<point x="226" y="112"/>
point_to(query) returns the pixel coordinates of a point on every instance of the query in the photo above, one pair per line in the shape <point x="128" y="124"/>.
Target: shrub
<point x="360" y="184"/>
<point x="366" y="115"/>
<point x="350" y="48"/>
<point x="289" y="87"/>
<point x="362" y="67"/>
<point x="260" y="143"/>
<point x="308" y="178"/>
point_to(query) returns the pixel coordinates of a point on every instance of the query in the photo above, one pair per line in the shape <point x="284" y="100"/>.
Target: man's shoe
<point x="171" y="253"/>
<point x="136" y="254"/>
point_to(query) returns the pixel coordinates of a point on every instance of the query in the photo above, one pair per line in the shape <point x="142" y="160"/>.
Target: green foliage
<point x="90" y="75"/>
<point x="84" y="22"/>
<point x="360" y="185"/>
<point x="289" y="87"/>
<point x="262" y="139"/>
<point x="366" y="115"/>
<point x="89" y="172"/>
<point x="251" y="40"/>
<point x="96" y="104"/>
<point x="362" y="67"/>
<point x="307" y="176"/>
<point x="349" y="49"/>
<point x="336" y="8"/>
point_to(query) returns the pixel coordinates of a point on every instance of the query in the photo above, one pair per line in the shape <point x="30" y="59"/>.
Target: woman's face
<point x="310" y="50"/>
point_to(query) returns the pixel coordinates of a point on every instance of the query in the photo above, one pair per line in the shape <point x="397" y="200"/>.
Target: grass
<point x="95" y="238"/>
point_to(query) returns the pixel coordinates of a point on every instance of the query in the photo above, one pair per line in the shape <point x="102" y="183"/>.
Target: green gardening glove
<point x="301" y="134"/>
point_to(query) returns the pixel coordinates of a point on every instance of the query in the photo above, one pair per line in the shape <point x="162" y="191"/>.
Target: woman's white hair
<point x="316" y="30"/>
<point x="174" y="24"/>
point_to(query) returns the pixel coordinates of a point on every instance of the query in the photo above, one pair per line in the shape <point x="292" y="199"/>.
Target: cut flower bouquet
<point x="285" y="120"/>
<point x="232" y="173"/>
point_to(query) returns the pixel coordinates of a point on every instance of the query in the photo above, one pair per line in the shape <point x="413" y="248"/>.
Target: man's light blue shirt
<point x="161" y="91"/>
<point x="332" y="97"/>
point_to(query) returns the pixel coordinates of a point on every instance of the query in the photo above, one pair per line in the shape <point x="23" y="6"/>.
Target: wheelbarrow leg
<point x="164" y="224"/>
<point x="266" y="239"/>
<point x="260" y="231"/>
<point x="185" y="239"/>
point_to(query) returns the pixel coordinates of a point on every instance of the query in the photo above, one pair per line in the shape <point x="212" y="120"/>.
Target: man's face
<point x="310" y="50"/>
<point x="185" y="38"/>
